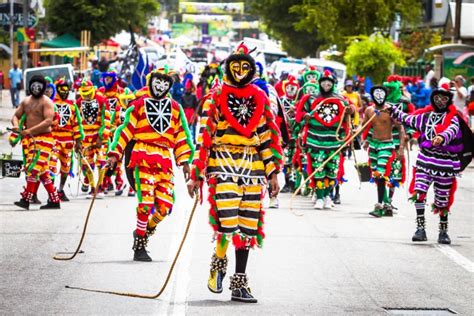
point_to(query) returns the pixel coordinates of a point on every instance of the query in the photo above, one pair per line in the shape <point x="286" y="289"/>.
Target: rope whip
<point x="170" y="272"/>
<point x="329" y="159"/>
<point x="84" y="229"/>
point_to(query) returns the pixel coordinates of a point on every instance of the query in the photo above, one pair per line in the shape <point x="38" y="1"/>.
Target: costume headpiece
<point x="87" y="89"/>
<point x="112" y="73"/>
<point x="159" y="82"/>
<point x="441" y="98"/>
<point x="37" y="86"/>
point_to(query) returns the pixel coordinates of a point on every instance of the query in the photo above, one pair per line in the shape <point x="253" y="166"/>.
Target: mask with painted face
<point x="240" y="67"/>
<point x="326" y="85"/>
<point x="379" y="95"/>
<point x="159" y="84"/>
<point x="63" y="91"/>
<point x="37" y="86"/>
<point x="441" y="98"/>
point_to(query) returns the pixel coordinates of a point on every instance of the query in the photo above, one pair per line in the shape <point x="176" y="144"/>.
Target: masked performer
<point x="324" y="118"/>
<point x="381" y="148"/>
<point x="158" y="126"/>
<point x="111" y="91"/>
<point x="240" y="151"/>
<point x="439" y="160"/>
<point x="96" y="124"/>
<point x="67" y="132"/>
<point x="39" y="114"/>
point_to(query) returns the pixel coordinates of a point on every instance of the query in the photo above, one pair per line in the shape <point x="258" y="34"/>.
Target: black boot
<point x="84" y="188"/>
<point x="337" y="198"/>
<point x="23" y="203"/>
<point x="35" y="199"/>
<point x="51" y="206"/>
<point x="139" y="244"/>
<point x="443" y="237"/>
<point x="217" y="274"/>
<point x="420" y="234"/>
<point x="240" y="289"/>
<point x="62" y="196"/>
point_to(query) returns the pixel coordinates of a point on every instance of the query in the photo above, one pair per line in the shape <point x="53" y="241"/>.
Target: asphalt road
<point x="337" y="262"/>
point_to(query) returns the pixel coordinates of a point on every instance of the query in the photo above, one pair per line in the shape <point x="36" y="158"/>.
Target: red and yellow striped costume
<point x="237" y="160"/>
<point x="66" y="132"/>
<point x="95" y="127"/>
<point x="152" y="154"/>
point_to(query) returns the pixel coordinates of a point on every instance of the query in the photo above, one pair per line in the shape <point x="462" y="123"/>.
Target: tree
<point x="104" y="18"/>
<point x="413" y="44"/>
<point x="279" y="23"/>
<point x="373" y="57"/>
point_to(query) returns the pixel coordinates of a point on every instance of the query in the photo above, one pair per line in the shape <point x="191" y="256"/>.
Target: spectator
<point x="177" y="89"/>
<point x="103" y="64"/>
<point x="364" y="96"/>
<point x="16" y="78"/>
<point x="460" y="94"/>
<point x="2" y="79"/>
<point x="96" y="75"/>
<point x="470" y="96"/>
<point x="429" y="74"/>
<point x="354" y="98"/>
<point x="420" y="96"/>
<point x="190" y="103"/>
<point x="434" y="83"/>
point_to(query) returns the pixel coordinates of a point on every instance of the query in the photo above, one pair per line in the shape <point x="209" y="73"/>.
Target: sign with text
<point x="17" y="20"/>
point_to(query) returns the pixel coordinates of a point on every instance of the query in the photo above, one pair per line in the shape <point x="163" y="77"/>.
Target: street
<point x="336" y="262"/>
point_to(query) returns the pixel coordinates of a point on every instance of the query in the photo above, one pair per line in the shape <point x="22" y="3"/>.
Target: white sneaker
<point x="327" y="203"/>
<point x="274" y="203"/>
<point x="319" y="205"/>
<point x="99" y="196"/>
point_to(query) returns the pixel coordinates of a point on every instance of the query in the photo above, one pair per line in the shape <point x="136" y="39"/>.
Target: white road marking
<point x="456" y="257"/>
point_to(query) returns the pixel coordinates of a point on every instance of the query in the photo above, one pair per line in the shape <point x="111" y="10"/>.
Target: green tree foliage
<point x="373" y="56"/>
<point x="103" y="18"/>
<point x="279" y="23"/>
<point x="413" y="44"/>
<point x="335" y="20"/>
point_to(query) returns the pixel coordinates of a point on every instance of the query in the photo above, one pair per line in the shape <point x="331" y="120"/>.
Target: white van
<point x="339" y="69"/>
<point x="54" y="72"/>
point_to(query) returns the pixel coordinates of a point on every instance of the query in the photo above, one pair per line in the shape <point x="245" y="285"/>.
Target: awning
<point x="70" y="52"/>
<point x="449" y="46"/>
<point x="110" y="42"/>
<point x="62" y="41"/>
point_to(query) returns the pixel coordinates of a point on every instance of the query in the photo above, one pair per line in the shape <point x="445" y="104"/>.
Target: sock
<point x="443" y="222"/>
<point x="391" y="192"/>
<point x="241" y="258"/>
<point x="155" y="219"/>
<point x="63" y="181"/>
<point x="143" y="211"/>
<point x="337" y="189"/>
<point x="380" y="190"/>
<point x="420" y="212"/>
<point x="30" y="189"/>
<point x="49" y="186"/>
<point x="221" y="249"/>
<point x="386" y="199"/>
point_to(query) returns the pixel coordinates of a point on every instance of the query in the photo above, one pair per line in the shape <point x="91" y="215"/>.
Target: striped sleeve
<point x="270" y="143"/>
<point x="451" y="132"/>
<point x="415" y="121"/>
<point x="124" y="132"/>
<point x="184" y="148"/>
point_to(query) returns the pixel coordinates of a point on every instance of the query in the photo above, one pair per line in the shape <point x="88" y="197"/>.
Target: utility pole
<point x="457" y="22"/>
<point x="12" y="22"/>
<point x="24" y="55"/>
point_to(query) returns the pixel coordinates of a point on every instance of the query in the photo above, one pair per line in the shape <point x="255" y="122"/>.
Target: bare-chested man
<point x="38" y="110"/>
<point x="381" y="148"/>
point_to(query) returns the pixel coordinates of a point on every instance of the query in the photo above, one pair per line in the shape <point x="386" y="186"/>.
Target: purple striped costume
<point x="435" y="165"/>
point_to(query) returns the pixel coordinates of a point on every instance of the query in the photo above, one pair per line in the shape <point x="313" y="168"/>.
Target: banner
<point x="214" y="8"/>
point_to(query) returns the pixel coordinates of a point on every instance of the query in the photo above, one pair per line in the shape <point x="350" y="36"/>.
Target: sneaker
<point x="51" y="206"/>
<point x="110" y="187"/>
<point x="319" y="205"/>
<point x="443" y="238"/>
<point x="420" y="235"/>
<point x="84" y="188"/>
<point x="214" y="283"/>
<point x="274" y="203"/>
<point x="378" y="210"/>
<point x="119" y="190"/>
<point x="100" y="195"/>
<point x="388" y="210"/>
<point x="327" y="203"/>
<point x="243" y="295"/>
<point x="23" y="204"/>
<point x="62" y="196"/>
<point x="131" y="192"/>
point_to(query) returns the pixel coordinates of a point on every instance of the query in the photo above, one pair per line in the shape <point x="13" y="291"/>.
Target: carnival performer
<point x="96" y="124"/>
<point x="311" y="75"/>
<point x="38" y="113"/>
<point x="290" y="87"/>
<point x="324" y="118"/>
<point x="239" y="151"/>
<point x="438" y="160"/>
<point x="67" y="132"/>
<point x="158" y="126"/>
<point x="111" y="90"/>
<point x="381" y="148"/>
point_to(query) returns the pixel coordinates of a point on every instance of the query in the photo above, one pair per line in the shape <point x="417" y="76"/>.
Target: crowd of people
<point x="236" y="131"/>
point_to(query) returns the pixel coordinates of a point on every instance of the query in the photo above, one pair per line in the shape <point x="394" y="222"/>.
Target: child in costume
<point x="68" y="132"/>
<point x="381" y="148"/>
<point x="35" y="114"/>
<point x="95" y="118"/>
<point x="158" y="126"/>
<point x="323" y="120"/>
<point x="239" y="151"/>
<point x="111" y="90"/>
<point x="438" y="161"/>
